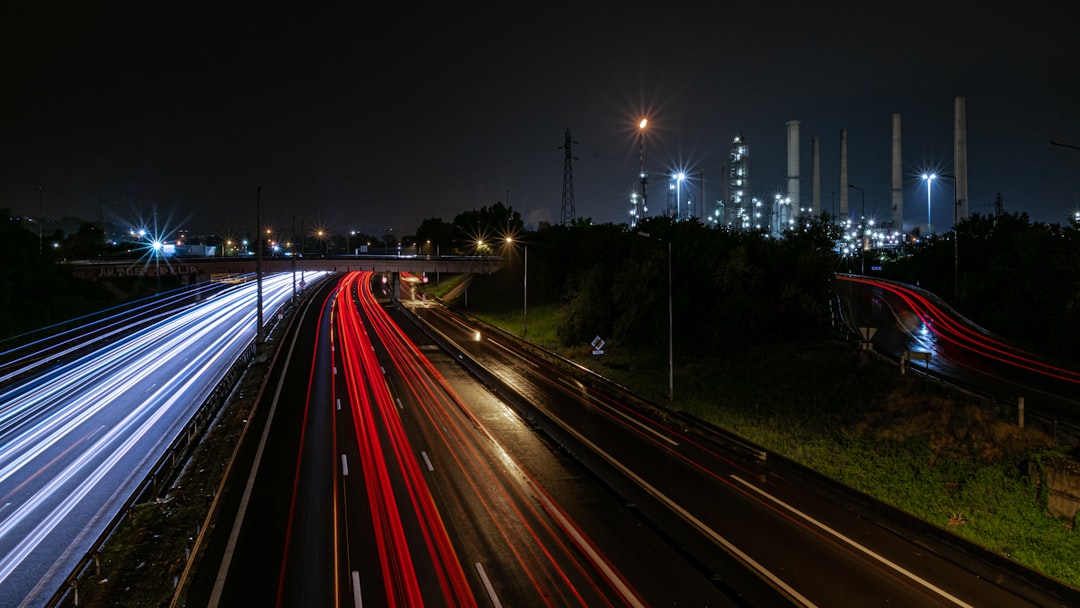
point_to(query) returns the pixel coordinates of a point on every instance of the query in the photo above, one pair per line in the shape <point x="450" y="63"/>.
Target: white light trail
<point x="77" y="439"/>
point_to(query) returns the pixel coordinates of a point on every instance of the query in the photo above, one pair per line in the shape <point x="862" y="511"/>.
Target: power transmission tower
<point x="569" y="215"/>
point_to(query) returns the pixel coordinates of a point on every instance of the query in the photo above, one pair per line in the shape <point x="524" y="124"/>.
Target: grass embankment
<point x="954" y="462"/>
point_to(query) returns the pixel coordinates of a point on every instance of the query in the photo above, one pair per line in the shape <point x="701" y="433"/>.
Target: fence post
<point x="1020" y="406"/>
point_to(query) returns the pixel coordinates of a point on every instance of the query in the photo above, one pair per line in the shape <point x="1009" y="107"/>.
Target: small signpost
<point x="867" y="334"/>
<point x="598" y="345"/>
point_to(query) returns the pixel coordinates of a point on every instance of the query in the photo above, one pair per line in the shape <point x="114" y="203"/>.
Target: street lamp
<point x="671" y="317"/>
<point x="929" y="178"/>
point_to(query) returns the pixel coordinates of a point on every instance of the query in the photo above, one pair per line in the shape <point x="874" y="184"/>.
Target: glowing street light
<point x="929" y="179"/>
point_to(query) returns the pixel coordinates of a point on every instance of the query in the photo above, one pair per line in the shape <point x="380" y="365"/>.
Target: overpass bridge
<point x="238" y="265"/>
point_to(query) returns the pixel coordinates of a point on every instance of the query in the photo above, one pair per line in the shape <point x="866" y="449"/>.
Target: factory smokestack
<point x="793" y="163"/>
<point x="843" y="175"/>
<point x="815" y="194"/>
<point x="897" y="177"/>
<point x="960" y="160"/>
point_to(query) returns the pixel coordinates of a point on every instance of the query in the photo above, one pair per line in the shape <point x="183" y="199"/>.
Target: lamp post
<point x="679" y="177"/>
<point x="525" y="290"/>
<point x="259" y="329"/>
<point x="641" y="159"/>
<point x="929" y="177"/>
<point x="671" y="317"/>
<point x="956" y="241"/>
<point x="862" y="228"/>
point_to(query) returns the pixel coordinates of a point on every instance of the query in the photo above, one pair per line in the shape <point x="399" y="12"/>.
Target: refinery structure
<point x="741" y="207"/>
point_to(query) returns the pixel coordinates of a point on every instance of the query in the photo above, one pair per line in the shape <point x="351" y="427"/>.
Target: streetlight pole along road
<point x="929" y="177"/>
<point x="671" y="317"/>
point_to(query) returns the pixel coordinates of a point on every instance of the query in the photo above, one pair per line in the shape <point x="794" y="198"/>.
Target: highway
<point x="405" y="456"/>
<point x="407" y="483"/>
<point x="411" y="457"/>
<point x="78" y="435"/>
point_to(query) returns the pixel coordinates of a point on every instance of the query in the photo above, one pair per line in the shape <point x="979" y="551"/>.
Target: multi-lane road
<point x="407" y="456"/>
<point x="81" y="428"/>
<point x="402" y="455"/>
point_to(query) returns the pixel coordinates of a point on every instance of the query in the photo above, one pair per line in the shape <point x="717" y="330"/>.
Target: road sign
<point x="598" y="345"/>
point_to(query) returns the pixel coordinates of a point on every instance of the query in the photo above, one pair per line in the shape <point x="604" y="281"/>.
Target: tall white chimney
<point x="815" y="194"/>
<point x="843" y="176"/>
<point x="960" y="160"/>
<point x="793" y="163"/>
<point x="897" y="177"/>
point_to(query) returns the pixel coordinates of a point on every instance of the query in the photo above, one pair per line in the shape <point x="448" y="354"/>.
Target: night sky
<point x="374" y="119"/>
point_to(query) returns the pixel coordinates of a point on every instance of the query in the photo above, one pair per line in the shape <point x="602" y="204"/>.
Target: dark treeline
<point x="729" y="289"/>
<point x="35" y="290"/>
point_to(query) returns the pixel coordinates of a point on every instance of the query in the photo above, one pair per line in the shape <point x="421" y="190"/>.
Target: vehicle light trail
<point x="545" y="543"/>
<point x="944" y="325"/>
<point x="77" y="439"/>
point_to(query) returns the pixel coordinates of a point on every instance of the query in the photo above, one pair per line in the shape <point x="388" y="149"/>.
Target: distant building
<point x="738" y="210"/>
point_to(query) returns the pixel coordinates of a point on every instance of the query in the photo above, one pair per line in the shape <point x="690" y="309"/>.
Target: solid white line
<point x="634" y="421"/>
<point x="427" y="461"/>
<point x="358" y="601"/>
<point x="344" y="466"/>
<point x="487" y="587"/>
<point x="586" y="546"/>
<point x="689" y="517"/>
<point x="856" y="545"/>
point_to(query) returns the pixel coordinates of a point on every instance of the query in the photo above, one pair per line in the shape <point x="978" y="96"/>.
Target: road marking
<point x="400" y="406"/>
<point x="713" y="535"/>
<point x="344" y="466"/>
<point x="427" y="460"/>
<point x="357" y="600"/>
<point x="867" y="551"/>
<point x="487" y="586"/>
<point x="616" y="581"/>
<point x="620" y="413"/>
<point x="339" y="404"/>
